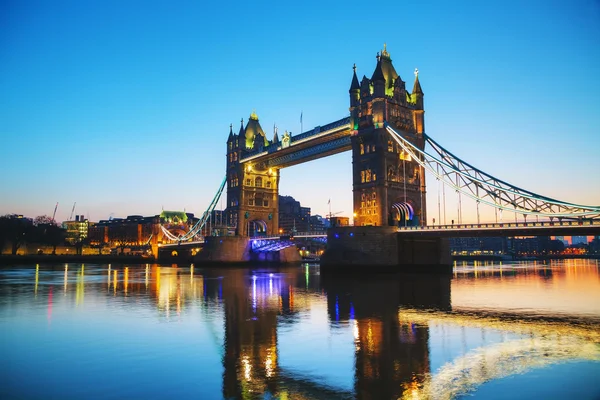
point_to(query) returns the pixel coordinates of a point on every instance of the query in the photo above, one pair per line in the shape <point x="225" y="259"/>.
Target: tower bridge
<point x="391" y="154"/>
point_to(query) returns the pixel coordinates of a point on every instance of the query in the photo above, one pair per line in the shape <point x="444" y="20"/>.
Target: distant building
<point x="481" y="244"/>
<point x="135" y="230"/>
<point x="317" y="224"/>
<point x="339" y="221"/>
<point x="292" y="216"/>
<point x="77" y="230"/>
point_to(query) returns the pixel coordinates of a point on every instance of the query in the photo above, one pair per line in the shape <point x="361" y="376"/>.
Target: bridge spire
<point x="241" y="132"/>
<point x="354" y="85"/>
<point x="230" y="138"/>
<point x="275" y="137"/>
<point x="417" y="86"/>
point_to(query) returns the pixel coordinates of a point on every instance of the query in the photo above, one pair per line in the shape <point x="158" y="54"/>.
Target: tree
<point x="48" y="232"/>
<point x="16" y="230"/>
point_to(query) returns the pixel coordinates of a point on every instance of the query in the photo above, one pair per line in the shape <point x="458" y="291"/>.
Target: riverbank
<point x="72" y="258"/>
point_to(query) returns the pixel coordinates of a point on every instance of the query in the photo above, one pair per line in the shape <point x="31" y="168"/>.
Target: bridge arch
<point x="403" y="213"/>
<point x="257" y="227"/>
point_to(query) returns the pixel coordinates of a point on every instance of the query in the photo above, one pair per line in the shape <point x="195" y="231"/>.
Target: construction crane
<point x="72" y="211"/>
<point x="55" y="208"/>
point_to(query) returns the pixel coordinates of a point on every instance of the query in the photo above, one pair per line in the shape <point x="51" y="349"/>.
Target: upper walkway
<point x="560" y="228"/>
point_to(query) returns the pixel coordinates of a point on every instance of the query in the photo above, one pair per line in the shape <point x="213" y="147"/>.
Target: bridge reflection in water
<point x="395" y="321"/>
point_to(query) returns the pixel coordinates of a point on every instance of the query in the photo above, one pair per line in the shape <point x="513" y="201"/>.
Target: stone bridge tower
<point x="388" y="186"/>
<point x="252" y="189"/>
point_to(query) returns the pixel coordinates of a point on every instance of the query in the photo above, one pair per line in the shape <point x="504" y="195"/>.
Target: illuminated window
<point x="268" y="184"/>
<point x="374" y="196"/>
<point x="390" y="146"/>
<point x="368" y="148"/>
<point x="362" y="197"/>
<point x="362" y="176"/>
<point x="234" y="156"/>
<point x="258" y="182"/>
<point x="362" y="148"/>
<point x="248" y="182"/>
<point x="230" y="145"/>
<point x="373" y="148"/>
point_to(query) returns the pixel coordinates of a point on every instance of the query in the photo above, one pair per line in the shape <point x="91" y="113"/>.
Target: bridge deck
<point x="565" y="228"/>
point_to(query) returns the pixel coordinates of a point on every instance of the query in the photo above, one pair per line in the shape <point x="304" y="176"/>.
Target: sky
<point x="125" y="107"/>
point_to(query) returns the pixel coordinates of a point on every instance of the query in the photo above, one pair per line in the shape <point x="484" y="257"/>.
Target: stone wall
<point x="382" y="247"/>
<point x="227" y="249"/>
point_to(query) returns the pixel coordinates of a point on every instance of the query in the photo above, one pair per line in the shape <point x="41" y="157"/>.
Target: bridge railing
<point x="501" y="225"/>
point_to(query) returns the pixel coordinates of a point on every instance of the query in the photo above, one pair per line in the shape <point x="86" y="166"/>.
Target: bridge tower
<point x="388" y="186"/>
<point x="252" y="189"/>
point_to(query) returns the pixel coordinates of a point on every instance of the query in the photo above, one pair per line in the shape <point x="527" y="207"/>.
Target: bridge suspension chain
<point x="197" y="228"/>
<point x="486" y="189"/>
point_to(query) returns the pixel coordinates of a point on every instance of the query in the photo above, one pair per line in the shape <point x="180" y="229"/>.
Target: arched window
<point x="362" y="148"/>
<point x="258" y="182"/>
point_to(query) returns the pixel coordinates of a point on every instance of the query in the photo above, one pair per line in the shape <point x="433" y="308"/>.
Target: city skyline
<point x="126" y="110"/>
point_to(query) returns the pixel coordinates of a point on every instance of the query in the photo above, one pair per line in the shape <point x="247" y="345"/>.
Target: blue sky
<point x="124" y="107"/>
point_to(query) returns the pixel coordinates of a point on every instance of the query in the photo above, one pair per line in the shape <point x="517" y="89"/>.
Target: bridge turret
<point x="254" y="133"/>
<point x="275" y="136"/>
<point x="354" y="90"/>
<point x="417" y="99"/>
<point x="417" y="92"/>
<point x="378" y="79"/>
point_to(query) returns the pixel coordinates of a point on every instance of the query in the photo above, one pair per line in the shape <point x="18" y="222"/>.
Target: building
<point x="317" y="224"/>
<point x="471" y="245"/>
<point x="77" y="230"/>
<point x="135" y="230"/>
<point x="292" y="216"/>
<point x="339" y="221"/>
<point x="251" y="192"/>
<point x="388" y="185"/>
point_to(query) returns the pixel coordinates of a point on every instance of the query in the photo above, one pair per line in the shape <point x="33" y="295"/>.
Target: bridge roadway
<point x="562" y="228"/>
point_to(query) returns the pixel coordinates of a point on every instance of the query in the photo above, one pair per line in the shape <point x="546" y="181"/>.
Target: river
<point x="490" y="331"/>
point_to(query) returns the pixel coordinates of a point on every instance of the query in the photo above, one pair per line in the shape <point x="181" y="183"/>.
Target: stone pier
<point x="383" y="248"/>
<point x="238" y="249"/>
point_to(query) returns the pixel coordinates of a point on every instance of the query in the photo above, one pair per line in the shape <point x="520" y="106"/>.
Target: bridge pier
<point x="238" y="249"/>
<point x="383" y="248"/>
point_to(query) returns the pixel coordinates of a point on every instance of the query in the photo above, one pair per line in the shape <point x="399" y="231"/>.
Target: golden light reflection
<point x="147" y="273"/>
<point x="589" y="331"/>
<point x="66" y="281"/>
<point x="115" y="276"/>
<point x="247" y="368"/>
<point x="80" y="286"/>
<point x="37" y="277"/>
<point x="568" y="287"/>
<point x="496" y="361"/>
<point x="108" y="278"/>
<point x="126" y="279"/>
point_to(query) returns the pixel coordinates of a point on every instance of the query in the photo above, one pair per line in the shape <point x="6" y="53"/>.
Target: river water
<point x="73" y="331"/>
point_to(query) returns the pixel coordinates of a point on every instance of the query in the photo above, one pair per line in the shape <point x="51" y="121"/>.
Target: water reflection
<point x="410" y="335"/>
